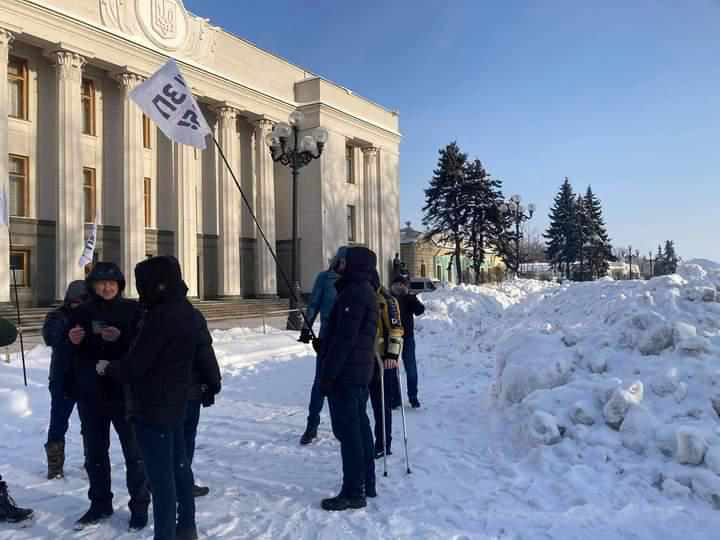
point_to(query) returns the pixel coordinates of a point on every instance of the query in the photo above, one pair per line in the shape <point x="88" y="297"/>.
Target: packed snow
<point x="550" y="411"/>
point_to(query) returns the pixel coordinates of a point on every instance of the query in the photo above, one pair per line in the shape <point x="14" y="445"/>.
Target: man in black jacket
<point x="410" y="307"/>
<point x="158" y="375"/>
<point x="347" y="358"/>
<point x="205" y="386"/>
<point x="102" y="330"/>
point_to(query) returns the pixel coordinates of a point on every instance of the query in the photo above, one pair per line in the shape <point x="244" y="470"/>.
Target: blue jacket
<point x="322" y="299"/>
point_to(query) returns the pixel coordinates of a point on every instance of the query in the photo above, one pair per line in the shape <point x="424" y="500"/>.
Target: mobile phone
<point x="98" y="326"/>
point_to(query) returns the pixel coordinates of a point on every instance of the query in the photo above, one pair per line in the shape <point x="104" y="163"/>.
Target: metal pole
<point x="17" y="309"/>
<point x="293" y="320"/>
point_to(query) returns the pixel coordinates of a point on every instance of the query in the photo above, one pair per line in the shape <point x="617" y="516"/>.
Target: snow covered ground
<point x="523" y="432"/>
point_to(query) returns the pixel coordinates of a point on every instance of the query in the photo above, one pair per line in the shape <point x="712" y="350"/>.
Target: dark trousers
<point x="170" y="475"/>
<point x="391" y="400"/>
<point x="192" y="418"/>
<point x="410" y="363"/>
<point x="96" y="439"/>
<point x="351" y="426"/>
<point x="316" y="400"/>
<point x="61" y="409"/>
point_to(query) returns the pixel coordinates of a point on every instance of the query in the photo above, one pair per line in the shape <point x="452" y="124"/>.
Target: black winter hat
<point x="360" y="260"/>
<point x="159" y="280"/>
<point x="106" y="271"/>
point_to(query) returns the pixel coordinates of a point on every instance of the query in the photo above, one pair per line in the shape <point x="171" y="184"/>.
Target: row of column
<point x="69" y="225"/>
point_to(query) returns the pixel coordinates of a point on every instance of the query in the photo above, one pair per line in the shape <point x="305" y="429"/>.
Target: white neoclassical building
<point x="78" y="150"/>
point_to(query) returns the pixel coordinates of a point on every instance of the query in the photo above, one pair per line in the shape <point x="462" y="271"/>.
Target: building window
<point x="352" y="237"/>
<point x="20" y="266"/>
<point x="350" y="164"/>
<point x="18" y="88"/>
<point x="88" y="107"/>
<point x="147" y="190"/>
<point x="147" y="138"/>
<point x="90" y="191"/>
<point x="423" y="270"/>
<point x="18" y="179"/>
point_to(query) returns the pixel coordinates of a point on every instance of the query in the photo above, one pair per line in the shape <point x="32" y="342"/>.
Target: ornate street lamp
<point x="291" y="149"/>
<point x="518" y="214"/>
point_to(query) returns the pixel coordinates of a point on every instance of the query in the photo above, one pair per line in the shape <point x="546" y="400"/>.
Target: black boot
<point x="186" y="533"/>
<point x="55" y="459"/>
<point x="340" y="503"/>
<point x="309" y="436"/>
<point x="370" y="491"/>
<point x="200" y="491"/>
<point x="138" y="520"/>
<point x="9" y="511"/>
<point x="96" y="514"/>
<point x="414" y="403"/>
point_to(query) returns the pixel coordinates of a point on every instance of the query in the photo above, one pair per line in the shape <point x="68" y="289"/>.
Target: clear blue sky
<point x="621" y="95"/>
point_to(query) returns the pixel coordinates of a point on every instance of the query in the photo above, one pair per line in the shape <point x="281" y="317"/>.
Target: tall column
<point x="132" y="235"/>
<point x="266" y="271"/>
<point x="6" y="39"/>
<point x="69" y="229"/>
<point x="372" y="208"/>
<point x="184" y="188"/>
<point x="229" y="267"/>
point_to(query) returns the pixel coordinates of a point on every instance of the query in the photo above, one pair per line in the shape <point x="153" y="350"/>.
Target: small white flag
<point x="89" y="251"/>
<point x="4" y="208"/>
<point x="168" y="101"/>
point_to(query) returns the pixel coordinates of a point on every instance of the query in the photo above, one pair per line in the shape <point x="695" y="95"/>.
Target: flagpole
<point x="17" y="307"/>
<point x="262" y="234"/>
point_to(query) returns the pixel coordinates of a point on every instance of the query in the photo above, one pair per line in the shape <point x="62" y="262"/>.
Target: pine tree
<point x="600" y="246"/>
<point x="581" y="237"/>
<point x="659" y="269"/>
<point x="444" y="201"/>
<point x="561" y="234"/>
<point x="670" y="260"/>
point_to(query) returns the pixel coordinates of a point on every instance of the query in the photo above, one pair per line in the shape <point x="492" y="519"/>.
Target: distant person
<point x="410" y="307"/>
<point x="9" y="511"/>
<point x="158" y="372"/>
<point x="55" y="334"/>
<point x="397" y="266"/>
<point x="321" y="303"/>
<point x="347" y="358"/>
<point x="102" y="330"/>
<point x="206" y="384"/>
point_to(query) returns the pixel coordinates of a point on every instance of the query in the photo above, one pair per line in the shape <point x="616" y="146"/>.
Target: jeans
<point x="192" y="418"/>
<point x="410" y="363"/>
<point x="316" y="400"/>
<point x="96" y="440"/>
<point x="351" y="426"/>
<point x="61" y="409"/>
<point x="163" y="448"/>
<point x="391" y="400"/>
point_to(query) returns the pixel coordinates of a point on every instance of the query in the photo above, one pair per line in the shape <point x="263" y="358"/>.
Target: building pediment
<point x="164" y="24"/>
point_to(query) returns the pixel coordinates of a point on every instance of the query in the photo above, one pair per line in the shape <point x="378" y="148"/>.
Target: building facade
<point x="78" y="150"/>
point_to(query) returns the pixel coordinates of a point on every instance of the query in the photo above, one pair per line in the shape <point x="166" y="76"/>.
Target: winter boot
<point x="200" y="491"/>
<point x="370" y="491"/>
<point x="9" y="511"/>
<point x="414" y="403"/>
<point x="340" y="503"/>
<point x="138" y="521"/>
<point x="55" y="459"/>
<point x="186" y="533"/>
<point x="96" y="514"/>
<point x="309" y="436"/>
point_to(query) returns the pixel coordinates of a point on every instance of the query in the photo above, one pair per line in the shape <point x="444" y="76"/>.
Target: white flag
<point x="87" y="254"/>
<point x="4" y="208"/>
<point x="168" y="101"/>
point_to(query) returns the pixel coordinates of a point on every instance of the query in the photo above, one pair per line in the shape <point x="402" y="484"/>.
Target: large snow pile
<point x="622" y="377"/>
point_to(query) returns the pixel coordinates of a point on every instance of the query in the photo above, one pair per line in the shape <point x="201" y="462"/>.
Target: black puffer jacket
<point x="347" y="353"/>
<point x="410" y="307"/>
<point x="121" y="313"/>
<point x="206" y="371"/>
<point x="158" y="367"/>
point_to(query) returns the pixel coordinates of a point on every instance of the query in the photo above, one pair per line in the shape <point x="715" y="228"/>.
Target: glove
<point x="101" y="366"/>
<point x="317" y="345"/>
<point x="327" y="386"/>
<point x="305" y="335"/>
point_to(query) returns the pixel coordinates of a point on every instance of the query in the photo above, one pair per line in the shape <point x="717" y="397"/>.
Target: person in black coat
<point x="410" y="307"/>
<point x="206" y="384"/>
<point x="102" y="330"/>
<point x="55" y="334"/>
<point x="158" y="372"/>
<point x="347" y="360"/>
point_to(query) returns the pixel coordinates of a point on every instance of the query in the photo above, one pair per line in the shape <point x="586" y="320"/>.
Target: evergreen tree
<point x="600" y="247"/>
<point x="561" y="236"/>
<point x="581" y="238"/>
<point x="659" y="269"/>
<point x="670" y="259"/>
<point x="444" y="208"/>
